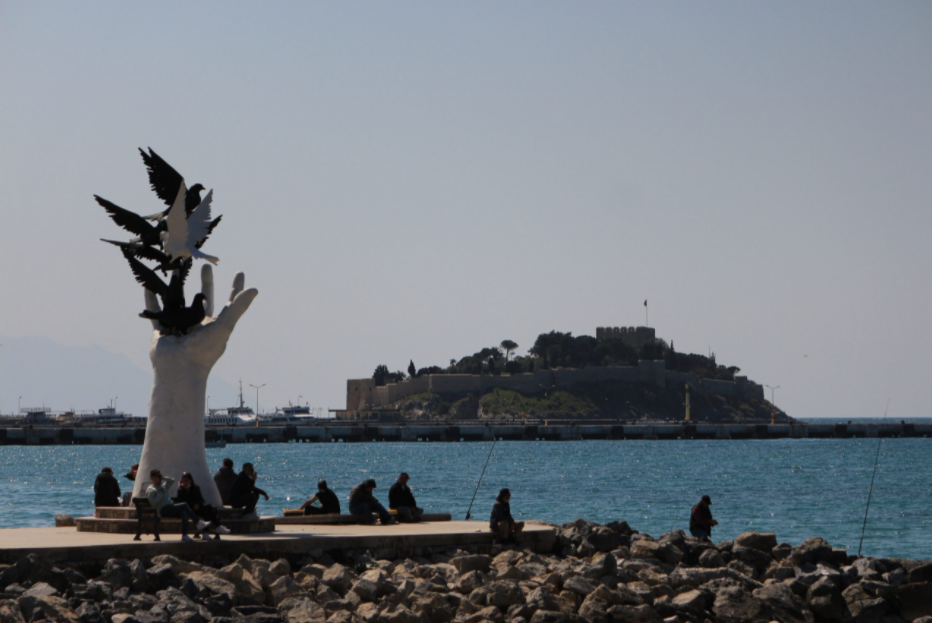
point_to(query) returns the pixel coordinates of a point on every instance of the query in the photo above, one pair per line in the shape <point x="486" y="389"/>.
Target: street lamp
<point x="772" y="390"/>
<point x="113" y="403"/>
<point x="257" y="396"/>
<point x="19" y="405"/>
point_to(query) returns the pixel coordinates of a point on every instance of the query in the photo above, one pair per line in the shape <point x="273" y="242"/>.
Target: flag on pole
<point x="645" y="302"/>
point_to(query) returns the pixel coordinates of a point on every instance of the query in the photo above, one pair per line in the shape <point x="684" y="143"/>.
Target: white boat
<point x="232" y="416"/>
<point x="108" y="416"/>
<point x="292" y="415"/>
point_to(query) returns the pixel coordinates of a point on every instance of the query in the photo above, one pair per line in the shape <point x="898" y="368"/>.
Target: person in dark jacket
<point x="700" y="520"/>
<point x="190" y="494"/>
<point x="106" y="489"/>
<point x="329" y="503"/>
<point x="224" y="478"/>
<point x="362" y="504"/>
<point x="244" y="493"/>
<point x="501" y="522"/>
<point x="131" y="476"/>
<point x="402" y="500"/>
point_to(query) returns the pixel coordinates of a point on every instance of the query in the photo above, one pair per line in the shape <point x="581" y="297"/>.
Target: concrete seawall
<point x="519" y="431"/>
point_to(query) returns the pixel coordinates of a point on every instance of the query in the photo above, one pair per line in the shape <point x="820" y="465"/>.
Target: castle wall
<point x="635" y="337"/>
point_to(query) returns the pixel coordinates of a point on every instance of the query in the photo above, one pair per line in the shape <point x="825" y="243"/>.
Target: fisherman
<point x="329" y="502"/>
<point x="244" y="493"/>
<point x="501" y="522"/>
<point x="362" y="504"/>
<point x="224" y="478"/>
<point x="190" y="494"/>
<point x="106" y="489"/>
<point x="157" y="494"/>
<point x="700" y="520"/>
<point x="402" y="500"/>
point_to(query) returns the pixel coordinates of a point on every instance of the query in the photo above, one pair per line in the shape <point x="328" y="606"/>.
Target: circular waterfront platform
<point x="122" y="520"/>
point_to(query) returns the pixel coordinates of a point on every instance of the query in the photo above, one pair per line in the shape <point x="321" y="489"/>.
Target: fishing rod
<point x="870" y="491"/>
<point x="480" y="478"/>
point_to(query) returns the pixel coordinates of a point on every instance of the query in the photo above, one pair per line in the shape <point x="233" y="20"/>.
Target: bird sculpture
<point x="182" y="233"/>
<point x="165" y="180"/>
<point x="174" y="318"/>
<point x="146" y="232"/>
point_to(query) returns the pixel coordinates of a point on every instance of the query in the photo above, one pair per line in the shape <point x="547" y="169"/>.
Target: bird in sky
<point x="182" y="233"/>
<point x="165" y="180"/>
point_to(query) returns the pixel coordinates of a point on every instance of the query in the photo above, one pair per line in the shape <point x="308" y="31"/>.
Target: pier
<point x="360" y="432"/>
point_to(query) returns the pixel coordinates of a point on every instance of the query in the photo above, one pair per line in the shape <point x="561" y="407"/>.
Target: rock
<point x="161" y="577"/>
<point x="826" y="601"/>
<point x="736" y="605"/>
<point x="32" y="569"/>
<point x="219" y="605"/>
<point x="786" y="606"/>
<point x="752" y="557"/>
<point x="634" y="614"/>
<point x="504" y="594"/>
<point x="41" y="589"/>
<point x="88" y="612"/>
<point x="781" y="551"/>
<point x="53" y="608"/>
<point x="140" y="582"/>
<point x="473" y="562"/>
<point x="366" y="589"/>
<point x="914" y="600"/>
<point x="180" y="566"/>
<point x="283" y="588"/>
<point x="666" y="552"/>
<point x="212" y="584"/>
<point x="433" y="608"/>
<point x="693" y="601"/>
<point x="339" y="578"/>
<point x="761" y="541"/>
<point x="10" y="612"/>
<point x="603" y="539"/>
<point x="64" y="521"/>
<point x="368" y="612"/>
<point x="541" y="599"/>
<point x="813" y="550"/>
<point x="711" y="558"/>
<point x="118" y="576"/>
<point x="604" y="564"/>
<point x="920" y="573"/>
<point x="280" y="567"/>
<point x="469" y="582"/>
<point x="697" y="576"/>
<point x="578" y="585"/>
<point x="594" y="609"/>
<point x="302" y="610"/>
<point x="402" y="615"/>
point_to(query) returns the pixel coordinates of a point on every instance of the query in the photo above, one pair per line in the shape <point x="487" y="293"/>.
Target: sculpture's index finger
<point x="239" y="282"/>
<point x="207" y="289"/>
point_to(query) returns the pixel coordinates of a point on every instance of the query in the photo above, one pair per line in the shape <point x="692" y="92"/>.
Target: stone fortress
<point x="365" y="395"/>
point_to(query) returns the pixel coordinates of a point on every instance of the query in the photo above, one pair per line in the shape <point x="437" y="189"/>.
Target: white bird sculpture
<point x="183" y="232"/>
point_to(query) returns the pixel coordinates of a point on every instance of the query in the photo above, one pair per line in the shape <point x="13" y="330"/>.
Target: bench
<point x="145" y="512"/>
<point x="301" y="519"/>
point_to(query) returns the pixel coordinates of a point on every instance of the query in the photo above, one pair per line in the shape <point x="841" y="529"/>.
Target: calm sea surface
<point x="796" y="488"/>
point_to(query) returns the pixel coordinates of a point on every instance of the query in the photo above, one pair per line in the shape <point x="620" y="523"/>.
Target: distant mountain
<point x="83" y="378"/>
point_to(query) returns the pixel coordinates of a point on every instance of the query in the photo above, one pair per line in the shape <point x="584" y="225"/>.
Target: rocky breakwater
<point x="600" y="574"/>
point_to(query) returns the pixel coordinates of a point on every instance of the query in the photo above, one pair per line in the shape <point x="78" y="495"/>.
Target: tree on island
<point x="412" y="371"/>
<point x="508" y="346"/>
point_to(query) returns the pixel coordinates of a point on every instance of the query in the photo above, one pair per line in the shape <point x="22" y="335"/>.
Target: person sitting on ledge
<point x="329" y="503"/>
<point x="362" y="504"/>
<point x="501" y="522"/>
<point x="106" y="489"/>
<point x="402" y="500"/>
<point x="131" y="476"/>
<point x="700" y="520"/>
<point x="224" y="478"/>
<point x="244" y="493"/>
<point x="157" y="494"/>
<point x="190" y="494"/>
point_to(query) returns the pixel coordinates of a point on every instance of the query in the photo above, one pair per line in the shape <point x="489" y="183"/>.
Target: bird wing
<point x="162" y="176"/>
<point x="176" y="241"/>
<point x="145" y="276"/>
<point x="199" y="221"/>
<point x="158" y="216"/>
<point x="130" y="221"/>
<point x="210" y="228"/>
<point x="141" y="250"/>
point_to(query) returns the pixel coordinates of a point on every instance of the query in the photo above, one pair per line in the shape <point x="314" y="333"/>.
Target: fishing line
<point x="480" y="479"/>
<point x="870" y="491"/>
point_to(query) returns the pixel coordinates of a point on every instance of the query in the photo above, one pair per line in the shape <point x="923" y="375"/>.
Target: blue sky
<point x="419" y="180"/>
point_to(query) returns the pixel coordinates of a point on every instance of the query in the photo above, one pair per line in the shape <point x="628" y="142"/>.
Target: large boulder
<point x="212" y="584"/>
<point x="339" y="578"/>
<point x="634" y="614"/>
<point x="826" y="601"/>
<point x="786" y="606"/>
<point x="471" y="562"/>
<point x="285" y="587"/>
<point x="52" y="608"/>
<point x="813" y="550"/>
<point x="756" y="558"/>
<point x="504" y="594"/>
<point x="733" y="604"/>
<point x="914" y="600"/>
<point x="541" y="599"/>
<point x="10" y="612"/>
<point x="762" y="541"/>
<point x="302" y="610"/>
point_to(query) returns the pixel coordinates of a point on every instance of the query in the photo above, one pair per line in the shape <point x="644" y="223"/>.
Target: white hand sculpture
<point x="175" y="430"/>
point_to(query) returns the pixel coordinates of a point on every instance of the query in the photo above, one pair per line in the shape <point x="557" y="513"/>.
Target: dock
<point x="564" y="430"/>
<point x="67" y="546"/>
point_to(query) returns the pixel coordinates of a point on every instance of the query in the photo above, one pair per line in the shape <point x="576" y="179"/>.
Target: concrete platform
<point x="337" y="520"/>
<point x="68" y="546"/>
<point x="171" y="526"/>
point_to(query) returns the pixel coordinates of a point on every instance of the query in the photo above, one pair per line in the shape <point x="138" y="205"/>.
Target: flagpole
<point x="646" y="318"/>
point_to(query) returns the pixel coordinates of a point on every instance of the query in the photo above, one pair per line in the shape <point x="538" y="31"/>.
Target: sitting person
<point x="363" y="504"/>
<point x="157" y="494"/>
<point x="501" y="522"/>
<point x="224" y="478"/>
<point x="329" y="503"/>
<point x="131" y="476"/>
<point x="190" y="494"/>
<point x="402" y="500"/>
<point x="106" y="489"/>
<point x="244" y="493"/>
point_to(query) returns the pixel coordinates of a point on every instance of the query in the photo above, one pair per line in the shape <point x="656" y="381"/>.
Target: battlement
<point x="632" y="336"/>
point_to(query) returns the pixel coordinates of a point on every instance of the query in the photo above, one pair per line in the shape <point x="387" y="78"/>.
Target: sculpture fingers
<point x="239" y="282"/>
<point x="234" y="310"/>
<point x="207" y="289"/>
<point x="152" y="305"/>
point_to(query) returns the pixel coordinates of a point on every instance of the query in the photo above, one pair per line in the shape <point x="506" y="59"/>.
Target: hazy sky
<point x="419" y="180"/>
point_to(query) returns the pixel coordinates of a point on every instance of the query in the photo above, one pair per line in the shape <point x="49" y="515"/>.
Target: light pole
<point x="772" y="390"/>
<point x="113" y="403"/>
<point x="19" y="405"/>
<point x="257" y="397"/>
<point x="208" y="405"/>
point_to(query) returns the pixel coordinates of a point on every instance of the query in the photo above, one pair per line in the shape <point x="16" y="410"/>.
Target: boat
<point x="292" y="415"/>
<point x="232" y="416"/>
<point x="108" y="416"/>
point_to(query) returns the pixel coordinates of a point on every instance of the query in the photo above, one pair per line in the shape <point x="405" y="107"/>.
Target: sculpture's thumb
<point x="237" y="307"/>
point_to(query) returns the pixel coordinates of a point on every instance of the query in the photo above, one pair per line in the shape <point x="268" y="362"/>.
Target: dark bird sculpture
<point x="174" y="317"/>
<point x="139" y="250"/>
<point x="165" y="181"/>
<point x="146" y="232"/>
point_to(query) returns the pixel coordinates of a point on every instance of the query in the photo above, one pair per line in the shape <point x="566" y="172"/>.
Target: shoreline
<point x="593" y="573"/>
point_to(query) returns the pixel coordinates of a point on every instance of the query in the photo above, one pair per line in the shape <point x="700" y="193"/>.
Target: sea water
<point x="797" y="488"/>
